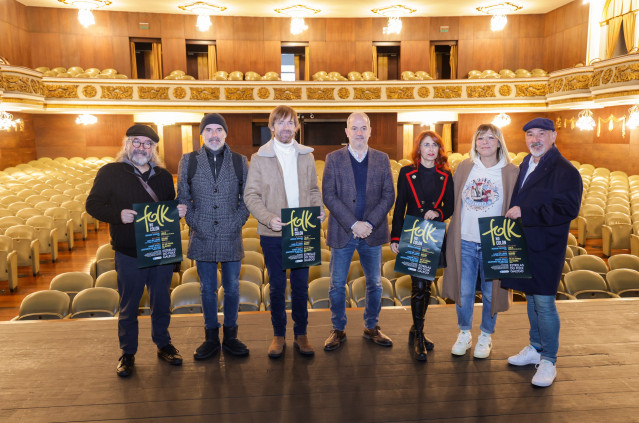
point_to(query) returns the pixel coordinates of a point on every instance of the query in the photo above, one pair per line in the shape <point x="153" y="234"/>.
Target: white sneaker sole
<point x="522" y="363"/>
<point x="460" y="352"/>
<point x="478" y="354"/>
<point x="544" y="384"/>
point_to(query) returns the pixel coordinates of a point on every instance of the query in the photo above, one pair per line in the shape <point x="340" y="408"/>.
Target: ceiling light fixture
<point x="394" y="14"/>
<point x="633" y="117"/>
<point x="85" y="16"/>
<point x="203" y="10"/>
<point x="297" y="14"/>
<point x="498" y="12"/>
<point x="86" y="119"/>
<point x="7" y="122"/>
<point x="501" y="120"/>
<point x="585" y="121"/>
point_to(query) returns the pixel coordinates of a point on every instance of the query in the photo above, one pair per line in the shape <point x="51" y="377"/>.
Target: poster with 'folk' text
<point x="157" y="233"/>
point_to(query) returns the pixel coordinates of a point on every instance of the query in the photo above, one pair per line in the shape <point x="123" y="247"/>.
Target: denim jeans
<point x="544" y="325"/>
<point x="471" y="262"/>
<point x="371" y="260"/>
<point x="272" y="248"/>
<point x="131" y="283"/>
<point x="207" y="270"/>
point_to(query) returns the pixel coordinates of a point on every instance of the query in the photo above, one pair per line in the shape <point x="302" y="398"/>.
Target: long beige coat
<point x="265" y="195"/>
<point x="501" y="298"/>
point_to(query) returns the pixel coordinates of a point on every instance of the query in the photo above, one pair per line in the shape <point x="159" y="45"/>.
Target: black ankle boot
<point x="427" y="342"/>
<point x="232" y="344"/>
<point x="419" y="349"/>
<point x="210" y="346"/>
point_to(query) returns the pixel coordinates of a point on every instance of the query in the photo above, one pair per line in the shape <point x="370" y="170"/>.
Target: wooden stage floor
<point x="64" y="371"/>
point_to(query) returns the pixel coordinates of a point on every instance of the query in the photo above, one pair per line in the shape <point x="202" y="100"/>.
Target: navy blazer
<point x="549" y="200"/>
<point x="340" y="197"/>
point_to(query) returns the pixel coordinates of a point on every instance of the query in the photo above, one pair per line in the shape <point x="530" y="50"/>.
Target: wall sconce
<point x="297" y="14"/>
<point x="86" y="119"/>
<point x="394" y="14"/>
<point x="498" y="12"/>
<point x="633" y="117"/>
<point x="85" y="16"/>
<point x="501" y="120"/>
<point x="203" y="10"/>
<point x="7" y="122"/>
<point x="585" y="121"/>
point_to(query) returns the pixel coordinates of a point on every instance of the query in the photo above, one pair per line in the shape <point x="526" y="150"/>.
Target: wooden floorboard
<point x="65" y="371"/>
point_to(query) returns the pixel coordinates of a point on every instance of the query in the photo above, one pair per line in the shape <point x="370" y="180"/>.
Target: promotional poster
<point x="301" y="245"/>
<point x="157" y="233"/>
<point x="419" y="247"/>
<point x="503" y="248"/>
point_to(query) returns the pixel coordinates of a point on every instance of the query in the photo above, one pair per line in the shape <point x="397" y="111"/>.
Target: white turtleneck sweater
<point x="482" y="196"/>
<point x="287" y="157"/>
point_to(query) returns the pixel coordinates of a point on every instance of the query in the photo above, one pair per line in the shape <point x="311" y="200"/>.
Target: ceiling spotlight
<point x="501" y="120"/>
<point x="85" y="16"/>
<point x="585" y="121"/>
<point x="498" y="12"/>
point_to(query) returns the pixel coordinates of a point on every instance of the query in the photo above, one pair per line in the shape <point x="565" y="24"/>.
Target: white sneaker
<point x="528" y="355"/>
<point x="464" y="341"/>
<point x="546" y="374"/>
<point x="484" y="345"/>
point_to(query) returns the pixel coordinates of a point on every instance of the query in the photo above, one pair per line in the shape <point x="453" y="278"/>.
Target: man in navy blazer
<point x="547" y="196"/>
<point x="357" y="189"/>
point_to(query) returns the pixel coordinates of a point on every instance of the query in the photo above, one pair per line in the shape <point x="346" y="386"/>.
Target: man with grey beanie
<point x="211" y="183"/>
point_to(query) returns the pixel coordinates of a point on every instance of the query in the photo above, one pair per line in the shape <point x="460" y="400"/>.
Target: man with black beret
<point x="211" y="182"/>
<point x="136" y="176"/>
<point x="547" y="196"/>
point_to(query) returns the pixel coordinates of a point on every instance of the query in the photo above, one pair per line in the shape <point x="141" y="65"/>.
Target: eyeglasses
<point x="137" y="143"/>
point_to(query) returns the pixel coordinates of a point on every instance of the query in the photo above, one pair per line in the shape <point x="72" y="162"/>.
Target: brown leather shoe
<point x="277" y="347"/>
<point x="378" y="337"/>
<point x="334" y="341"/>
<point x="303" y="346"/>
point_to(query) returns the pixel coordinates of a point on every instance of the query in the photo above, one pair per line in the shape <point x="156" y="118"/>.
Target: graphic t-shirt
<point x="482" y="196"/>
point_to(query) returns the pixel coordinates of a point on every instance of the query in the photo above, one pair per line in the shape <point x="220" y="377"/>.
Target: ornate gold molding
<point x="325" y="94"/>
<point x="60" y="91"/>
<point x="482" y="91"/>
<point x="263" y="93"/>
<point x="117" y="92"/>
<point x="89" y="91"/>
<point x="205" y="93"/>
<point x="577" y="82"/>
<point x="423" y="92"/>
<point x="505" y="90"/>
<point x="596" y="78"/>
<point x="293" y="93"/>
<point x="400" y="93"/>
<point x="372" y="93"/>
<point x="343" y="93"/>
<point x="243" y="94"/>
<point x="606" y="76"/>
<point x="530" y="90"/>
<point x="153" y="93"/>
<point x="454" y="91"/>
<point x="17" y="83"/>
<point x="179" y="93"/>
<point x="610" y="120"/>
<point x="626" y="73"/>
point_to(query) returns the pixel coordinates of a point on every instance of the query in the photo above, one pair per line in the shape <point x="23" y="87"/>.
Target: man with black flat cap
<point x="211" y="182"/>
<point x="136" y="176"/>
<point x="547" y="196"/>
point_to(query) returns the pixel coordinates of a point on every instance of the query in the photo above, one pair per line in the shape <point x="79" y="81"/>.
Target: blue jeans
<point x="371" y="260"/>
<point x="544" y="325"/>
<point x="471" y="262"/>
<point x="131" y="283"/>
<point x="207" y="270"/>
<point x="272" y="248"/>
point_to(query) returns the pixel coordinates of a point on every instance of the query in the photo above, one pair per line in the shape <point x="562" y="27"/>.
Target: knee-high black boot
<point x="423" y="285"/>
<point x="418" y="305"/>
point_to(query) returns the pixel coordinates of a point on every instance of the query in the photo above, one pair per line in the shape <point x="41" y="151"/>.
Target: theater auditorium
<point x="75" y="75"/>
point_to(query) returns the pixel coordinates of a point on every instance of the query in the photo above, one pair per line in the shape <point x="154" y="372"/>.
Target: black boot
<point x="419" y="304"/>
<point x="210" y="346"/>
<point x="232" y="344"/>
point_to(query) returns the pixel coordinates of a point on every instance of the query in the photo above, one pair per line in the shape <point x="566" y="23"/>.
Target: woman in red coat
<point x="424" y="190"/>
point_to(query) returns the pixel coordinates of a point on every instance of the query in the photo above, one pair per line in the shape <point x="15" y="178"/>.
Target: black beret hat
<point x="215" y="118"/>
<point x="540" y="123"/>
<point x="143" y="131"/>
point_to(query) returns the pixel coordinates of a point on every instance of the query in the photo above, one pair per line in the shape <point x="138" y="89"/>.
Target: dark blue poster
<point x="301" y="246"/>
<point x="157" y="233"/>
<point x="420" y="245"/>
<point x="503" y="248"/>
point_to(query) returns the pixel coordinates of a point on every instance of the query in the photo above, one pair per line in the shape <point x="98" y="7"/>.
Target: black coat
<point x="116" y="188"/>
<point x="412" y="200"/>
<point x="549" y="201"/>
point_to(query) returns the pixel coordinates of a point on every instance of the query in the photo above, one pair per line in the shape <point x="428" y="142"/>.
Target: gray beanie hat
<point x="215" y="118"/>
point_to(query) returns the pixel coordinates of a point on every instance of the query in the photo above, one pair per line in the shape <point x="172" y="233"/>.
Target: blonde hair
<point x="502" y="150"/>
<point x="155" y="158"/>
